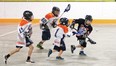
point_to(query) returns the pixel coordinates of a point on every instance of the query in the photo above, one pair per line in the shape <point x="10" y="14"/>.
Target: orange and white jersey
<point x="49" y="19"/>
<point x="61" y="32"/>
<point x="23" y="27"/>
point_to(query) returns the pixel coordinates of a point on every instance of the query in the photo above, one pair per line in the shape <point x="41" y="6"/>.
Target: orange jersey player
<point x="24" y="34"/>
<point x="47" y="23"/>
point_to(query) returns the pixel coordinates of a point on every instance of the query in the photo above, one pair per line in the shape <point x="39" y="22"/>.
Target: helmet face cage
<point x="27" y="15"/>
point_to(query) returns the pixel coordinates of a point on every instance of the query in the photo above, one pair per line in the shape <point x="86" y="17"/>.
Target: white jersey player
<point x="60" y="34"/>
<point x="24" y="34"/>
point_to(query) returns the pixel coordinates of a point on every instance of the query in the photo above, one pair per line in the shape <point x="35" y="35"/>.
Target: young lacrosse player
<point x="60" y="34"/>
<point x="47" y="23"/>
<point x="24" y="35"/>
<point x="83" y="31"/>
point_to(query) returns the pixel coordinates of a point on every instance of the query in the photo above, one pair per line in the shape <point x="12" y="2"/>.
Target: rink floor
<point x="101" y="54"/>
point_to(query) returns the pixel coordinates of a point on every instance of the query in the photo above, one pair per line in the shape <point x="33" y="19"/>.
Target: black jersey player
<point x="84" y="29"/>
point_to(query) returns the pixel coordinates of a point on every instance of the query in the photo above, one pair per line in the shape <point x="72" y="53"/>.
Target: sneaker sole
<point x="82" y="55"/>
<point x="59" y="59"/>
<point x="29" y="62"/>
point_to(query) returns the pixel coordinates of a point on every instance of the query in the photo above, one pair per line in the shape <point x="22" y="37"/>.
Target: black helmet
<point x="27" y="15"/>
<point x="64" y="21"/>
<point x="55" y="9"/>
<point x="88" y="17"/>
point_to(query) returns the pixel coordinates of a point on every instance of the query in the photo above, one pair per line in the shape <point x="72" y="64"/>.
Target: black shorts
<point x="62" y="47"/>
<point x="80" y="37"/>
<point x="46" y="35"/>
<point x="83" y="43"/>
<point x="19" y="46"/>
<point x="28" y="43"/>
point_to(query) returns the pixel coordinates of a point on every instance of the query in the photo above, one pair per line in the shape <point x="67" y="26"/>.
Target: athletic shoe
<point x="59" y="58"/>
<point x="29" y="61"/>
<point x="50" y="52"/>
<point x="5" y="57"/>
<point x="39" y="46"/>
<point x="82" y="53"/>
<point x="73" y="48"/>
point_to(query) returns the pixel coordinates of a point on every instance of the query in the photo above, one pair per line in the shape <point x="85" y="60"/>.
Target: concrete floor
<point x="101" y="54"/>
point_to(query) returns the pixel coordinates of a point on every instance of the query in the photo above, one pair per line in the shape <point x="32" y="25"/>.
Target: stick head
<point x="67" y="8"/>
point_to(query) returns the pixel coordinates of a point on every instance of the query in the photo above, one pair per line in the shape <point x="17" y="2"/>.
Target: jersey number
<point x="43" y="20"/>
<point x="21" y="30"/>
